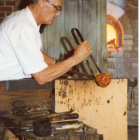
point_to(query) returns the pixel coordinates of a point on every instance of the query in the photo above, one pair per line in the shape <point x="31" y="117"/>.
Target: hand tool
<point x="21" y="109"/>
<point x="48" y="115"/>
<point x="66" y="132"/>
<point x="69" y="120"/>
<point x="104" y="79"/>
<point x="65" y="116"/>
<point x="78" y="43"/>
<point x="67" y="126"/>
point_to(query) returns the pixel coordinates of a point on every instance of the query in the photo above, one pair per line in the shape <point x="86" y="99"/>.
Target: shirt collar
<point x="30" y="16"/>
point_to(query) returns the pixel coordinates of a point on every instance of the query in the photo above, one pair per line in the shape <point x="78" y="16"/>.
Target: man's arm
<point x="52" y="72"/>
<point x="49" y="60"/>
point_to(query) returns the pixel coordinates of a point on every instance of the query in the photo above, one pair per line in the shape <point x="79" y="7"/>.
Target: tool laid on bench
<point x="21" y="109"/>
<point x="101" y="79"/>
<point x="45" y="126"/>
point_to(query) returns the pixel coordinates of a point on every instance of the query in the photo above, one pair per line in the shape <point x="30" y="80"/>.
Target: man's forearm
<point x="49" y="60"/>
<point x="54" y="71"/>
<point x="81" y="52"/>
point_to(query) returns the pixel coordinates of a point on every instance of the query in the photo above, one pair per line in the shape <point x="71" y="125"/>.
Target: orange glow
<point x="111" y="35"/>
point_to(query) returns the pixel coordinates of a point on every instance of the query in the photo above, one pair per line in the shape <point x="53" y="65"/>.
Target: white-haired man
<point x="20" y="54"/>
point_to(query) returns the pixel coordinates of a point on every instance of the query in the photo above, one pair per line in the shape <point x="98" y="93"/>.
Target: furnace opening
<point x="114" y="34"/>
<point x="111" y="37"/>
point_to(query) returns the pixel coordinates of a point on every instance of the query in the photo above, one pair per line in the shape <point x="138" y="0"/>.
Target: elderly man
<point x="20" y="44"/>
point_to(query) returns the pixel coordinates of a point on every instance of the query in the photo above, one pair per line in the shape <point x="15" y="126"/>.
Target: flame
<point x="111" y="35"/>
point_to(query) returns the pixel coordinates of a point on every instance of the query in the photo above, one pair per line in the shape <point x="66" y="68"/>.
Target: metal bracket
<point x="27" y="84"/>
<point x="132" y="84"/>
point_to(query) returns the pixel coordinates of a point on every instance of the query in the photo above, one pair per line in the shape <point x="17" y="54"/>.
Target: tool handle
<point x="82" y="39"/>
<point x="70" y="126"/>
<point x="74" y="36"/>
<point x="68" y="116"/>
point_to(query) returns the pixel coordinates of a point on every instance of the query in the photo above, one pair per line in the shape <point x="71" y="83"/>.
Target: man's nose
<point x="58" y="14"/>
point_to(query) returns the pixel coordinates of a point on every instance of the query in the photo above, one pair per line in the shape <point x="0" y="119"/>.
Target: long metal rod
<point x="95" y="64"/>
<point x="82" y="39"/>
<point x="78" y="73"/>
<point x="90" y="69"/>
<point x="69" y="120"/>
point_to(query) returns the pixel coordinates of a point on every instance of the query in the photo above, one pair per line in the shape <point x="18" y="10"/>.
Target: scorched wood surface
<point x="104" y="108"/>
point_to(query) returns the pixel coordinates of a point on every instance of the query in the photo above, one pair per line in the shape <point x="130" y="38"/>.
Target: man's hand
<point x="82" y="51"/>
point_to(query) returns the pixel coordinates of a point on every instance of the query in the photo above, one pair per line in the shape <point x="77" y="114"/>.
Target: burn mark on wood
<point x="112" y="97"/>
<point x="59" y="93"/>
<point x="61" y="102"/>
<point x="61" y="82"/>
<point x="98" y="101"/>
<point x="68" y="104"/>
<point x="64" y="95"/>
<point x="71" y="91"/>
<point x="66" y="83"/>
<point x="124" y="113"/>
<point x="108" y="101"/>
<point x="70" y="86"/>
<point x="65" y="88"/>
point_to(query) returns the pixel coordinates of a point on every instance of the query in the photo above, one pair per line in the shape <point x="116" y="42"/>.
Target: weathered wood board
<point x="40" y="97"/>
<point x="104" y="108"/>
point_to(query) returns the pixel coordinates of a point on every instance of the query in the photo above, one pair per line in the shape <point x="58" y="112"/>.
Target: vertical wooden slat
<point x="55" y="53"/>
<point x="71" y="20"/>
<point x="89" y="28"/>
<point x="62" y="33"/>
<point x="103" y="36"/>
<point x="98" y="35"/>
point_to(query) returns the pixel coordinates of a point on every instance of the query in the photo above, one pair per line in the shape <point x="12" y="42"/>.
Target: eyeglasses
<point x="58" y="8"/>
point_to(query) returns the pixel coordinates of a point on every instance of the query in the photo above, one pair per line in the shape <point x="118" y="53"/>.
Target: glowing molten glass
<point x="103" y="79"/>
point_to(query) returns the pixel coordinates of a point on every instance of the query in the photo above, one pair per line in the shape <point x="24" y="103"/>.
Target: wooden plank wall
<point x="89" y="16"/>
<point x="104" y="108"/>
<point x="41" y="97"/>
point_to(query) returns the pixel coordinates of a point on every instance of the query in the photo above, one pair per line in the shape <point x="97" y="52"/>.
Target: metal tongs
<point x="87" y="62"/>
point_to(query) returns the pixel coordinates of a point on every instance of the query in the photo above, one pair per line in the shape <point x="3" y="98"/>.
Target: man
<point x="20" y="55"/>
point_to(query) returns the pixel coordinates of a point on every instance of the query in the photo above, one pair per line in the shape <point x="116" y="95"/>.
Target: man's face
<point x="49" y="12"/>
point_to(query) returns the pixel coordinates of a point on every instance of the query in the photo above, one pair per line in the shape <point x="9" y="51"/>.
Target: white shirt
<point x="20" y="45"/>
